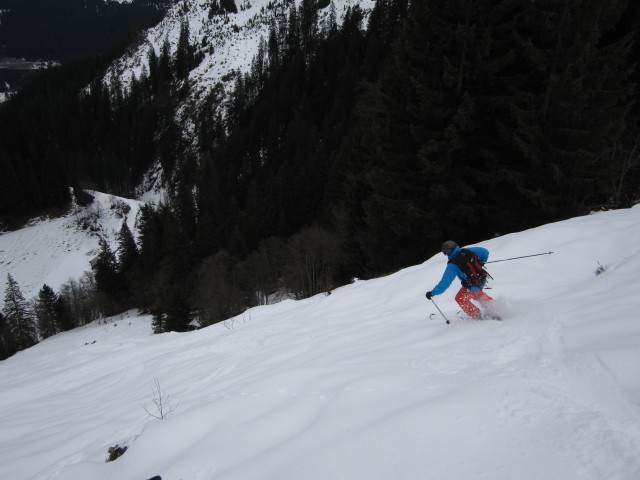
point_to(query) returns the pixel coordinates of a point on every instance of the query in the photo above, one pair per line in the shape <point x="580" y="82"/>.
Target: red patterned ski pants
<point x="464" y="297"/>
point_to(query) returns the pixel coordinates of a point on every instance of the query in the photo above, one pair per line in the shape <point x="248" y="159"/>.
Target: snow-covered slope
<point x="229" y="42"/>
<point x="234" y="37"/>
<point x="52" y="251"/>
<point x="359" y="384"/>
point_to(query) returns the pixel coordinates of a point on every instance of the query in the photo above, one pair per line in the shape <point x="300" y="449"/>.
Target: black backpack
<point x="470" y="264"/>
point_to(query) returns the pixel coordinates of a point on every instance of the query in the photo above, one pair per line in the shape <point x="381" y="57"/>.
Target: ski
<point x="460" y="315"/>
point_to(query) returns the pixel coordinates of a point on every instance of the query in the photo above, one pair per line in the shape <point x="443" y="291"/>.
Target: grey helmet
<point x="448" y="247"/>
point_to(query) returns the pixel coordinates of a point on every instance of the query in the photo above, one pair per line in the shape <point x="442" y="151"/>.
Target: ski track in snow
<point x="359" y="383"/>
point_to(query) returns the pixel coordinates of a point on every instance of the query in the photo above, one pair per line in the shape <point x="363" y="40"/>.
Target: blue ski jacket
<point x="452" y="271"/>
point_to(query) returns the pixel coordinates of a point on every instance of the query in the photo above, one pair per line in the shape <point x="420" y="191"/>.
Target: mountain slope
<point x="228" y="42"/>
<point x="52" y="251"/>
<point x="359" y="383"/>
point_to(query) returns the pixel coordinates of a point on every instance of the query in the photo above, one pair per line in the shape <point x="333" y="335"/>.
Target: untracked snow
<point x="358" y="384"/>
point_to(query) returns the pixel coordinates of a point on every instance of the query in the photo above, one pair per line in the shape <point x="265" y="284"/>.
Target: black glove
<point x="465" y="284"/>
<point x="429" y="296"/>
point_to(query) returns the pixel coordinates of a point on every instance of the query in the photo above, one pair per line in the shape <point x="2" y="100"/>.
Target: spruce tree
<point x="184" y="52"/>
<point x="158" y="322"/>
<point x="149" y="238"/>
<point x="64" y="319"/>
<point x="19" y="317"/>
<point x="46" y="312"/>
<point x="108" y="280"/>
<point x="127" y="250"/>
<point x="105" y="268"/>
<point x="127" y="264"/>
<point x="172" y="283"/>
<point x="228" y="6"/>
<point x="7" y="345"/>
<point x="150" y="256"/>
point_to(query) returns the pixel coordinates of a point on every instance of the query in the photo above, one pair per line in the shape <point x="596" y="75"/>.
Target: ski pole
<point x="517" y="258"/>
<point x="448" y="322"/>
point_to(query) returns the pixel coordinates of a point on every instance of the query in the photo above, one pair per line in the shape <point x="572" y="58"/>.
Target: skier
<point x="466" y="264"/>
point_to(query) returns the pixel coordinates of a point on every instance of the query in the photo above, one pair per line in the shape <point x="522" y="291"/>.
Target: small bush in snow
<point x="115" y="452"/>
<point x="161" y="405"/>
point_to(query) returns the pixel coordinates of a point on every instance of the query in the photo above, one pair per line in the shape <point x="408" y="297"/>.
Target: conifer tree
<point x="64" y="319"/>
<point x="105" y="267"/>
<point x="46" y="312"/>
<point x="108" y="280"/>
<point x="308" y="16"/>
<point x="19" y="317"/>
<point x="158" y="322"/>
<point x="210" y="222"/>
<point x="228" y="6"/>
<point x="171" y="304"/>
<point x="294" y="35"/>
<point x="154" y="76"/>
<point x="7" y="345"/>
<point x="127" y="250"/>
<point x="150" y="256"/>
<point x="184" y="53"/>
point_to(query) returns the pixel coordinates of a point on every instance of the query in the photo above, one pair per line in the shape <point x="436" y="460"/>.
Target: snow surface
<point x="359" y="384"/>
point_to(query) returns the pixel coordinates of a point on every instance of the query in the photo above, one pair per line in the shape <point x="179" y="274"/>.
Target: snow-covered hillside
<point x="52" y="251"/>
<point x="359" y="384"/>
<point x="229" y="42"/>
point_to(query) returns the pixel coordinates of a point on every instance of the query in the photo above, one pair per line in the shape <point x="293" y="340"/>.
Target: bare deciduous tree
<point x="314" y="254"/>
<point x="161" y="404"/>
<point x="82" y="299"/>
<point x="217" y="294"/>
<point x="624" y="159"/>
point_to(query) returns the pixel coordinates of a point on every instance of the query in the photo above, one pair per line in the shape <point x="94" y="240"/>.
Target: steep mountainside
<point x="227" y="40"/>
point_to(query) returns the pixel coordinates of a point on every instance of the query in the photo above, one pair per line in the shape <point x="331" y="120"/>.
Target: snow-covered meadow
<point x="359" y="384"/>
